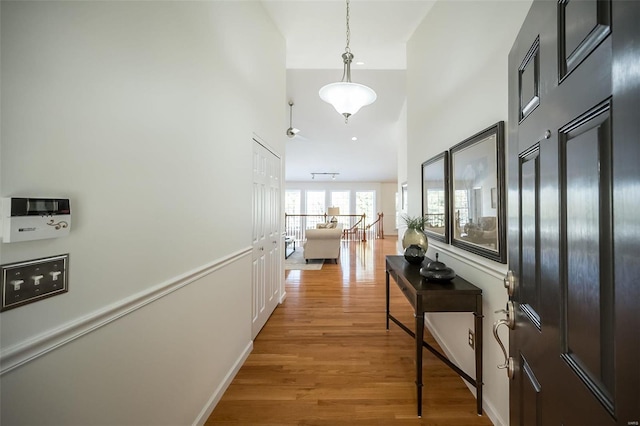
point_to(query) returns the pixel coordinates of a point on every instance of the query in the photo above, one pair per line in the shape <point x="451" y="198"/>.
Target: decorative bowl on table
<point x="414" y="254"/>
<point x="437" y="271"/>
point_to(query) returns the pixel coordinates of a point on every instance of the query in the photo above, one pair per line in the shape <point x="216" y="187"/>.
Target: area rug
<point x="296" y="261"/>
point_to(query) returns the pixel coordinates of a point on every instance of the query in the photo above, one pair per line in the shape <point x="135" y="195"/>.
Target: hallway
<point x="324" y="357"/>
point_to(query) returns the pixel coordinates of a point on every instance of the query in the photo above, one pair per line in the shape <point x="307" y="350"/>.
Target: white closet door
<point x="265" y="289"/>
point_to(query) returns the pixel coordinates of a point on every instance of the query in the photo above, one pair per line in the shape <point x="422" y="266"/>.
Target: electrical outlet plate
<point x="472" y="339"/>
<point x="27" y="282"/>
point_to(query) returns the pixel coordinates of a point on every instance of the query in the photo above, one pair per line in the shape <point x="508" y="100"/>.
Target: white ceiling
<point x="315" y="32"/>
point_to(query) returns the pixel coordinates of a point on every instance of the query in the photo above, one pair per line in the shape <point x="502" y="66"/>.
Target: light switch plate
<point x="32" y="280"/>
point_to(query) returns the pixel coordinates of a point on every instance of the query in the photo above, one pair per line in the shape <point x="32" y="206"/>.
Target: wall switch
<point x="26" y="282"/>
<point x="472" y="339"/>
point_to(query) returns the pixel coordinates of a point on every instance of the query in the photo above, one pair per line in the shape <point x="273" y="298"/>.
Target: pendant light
<point x="347" y="97"/>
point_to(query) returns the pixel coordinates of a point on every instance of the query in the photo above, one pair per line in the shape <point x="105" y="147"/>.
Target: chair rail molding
<point x="32" y="348"/>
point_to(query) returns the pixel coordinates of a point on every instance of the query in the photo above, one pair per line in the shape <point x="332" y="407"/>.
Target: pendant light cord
<point x="347" y="56"/>
<point x="347" y="48"/>
<point x="291" y="115"/>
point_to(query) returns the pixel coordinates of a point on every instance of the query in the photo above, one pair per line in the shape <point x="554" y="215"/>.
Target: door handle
<point x="510" y="320"/>
<point x="508" y="361"/>
<point x="509" y="282"/>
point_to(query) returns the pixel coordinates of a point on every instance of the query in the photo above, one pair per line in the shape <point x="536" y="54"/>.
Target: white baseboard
<point x="487" y="406"/>
<point x="221" y="389"/>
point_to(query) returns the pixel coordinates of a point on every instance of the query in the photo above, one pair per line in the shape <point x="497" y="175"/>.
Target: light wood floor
<point x="325" y="358"/>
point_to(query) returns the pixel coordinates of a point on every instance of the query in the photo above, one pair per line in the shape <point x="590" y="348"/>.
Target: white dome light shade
<point x="346" y="97"/>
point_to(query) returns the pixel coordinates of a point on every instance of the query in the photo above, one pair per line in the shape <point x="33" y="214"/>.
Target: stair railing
<point x="375" y="230"/>
<point x="353" y="225"/>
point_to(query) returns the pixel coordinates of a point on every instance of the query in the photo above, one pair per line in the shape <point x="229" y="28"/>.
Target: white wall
<point x="385" y="199"/>
<point x="388" y="207"/>
<point x="402" y="178"/>
<point x="457" y="86"/>
<point x="143" y="114"/>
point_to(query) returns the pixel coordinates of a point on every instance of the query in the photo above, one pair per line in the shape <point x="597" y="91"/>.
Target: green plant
<point x="414" y="222"/>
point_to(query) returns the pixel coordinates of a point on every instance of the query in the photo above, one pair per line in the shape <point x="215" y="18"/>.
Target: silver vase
<point x="415" y="236"/>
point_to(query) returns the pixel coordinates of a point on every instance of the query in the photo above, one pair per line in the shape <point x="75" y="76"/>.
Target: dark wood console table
<point x="457" y="295"/>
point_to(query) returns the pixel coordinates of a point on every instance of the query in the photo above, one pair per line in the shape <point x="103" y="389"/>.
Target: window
<point x="435" y="207"/>
<point x="315" y="206"/>
<point x="341" y="200"/>
<point x="292" y="201"/>
<point x="462" y="207"/>
<point x="366" y="203"/>
<point x="315" y="202"/>
<point x="292" y="205"/>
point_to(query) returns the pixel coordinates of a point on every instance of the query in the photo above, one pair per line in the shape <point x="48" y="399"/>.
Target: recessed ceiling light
<point x="354" y="138"/>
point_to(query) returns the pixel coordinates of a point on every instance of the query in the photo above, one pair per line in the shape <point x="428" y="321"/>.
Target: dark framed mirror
<point x="435" y="197"/>
<point x="404" y="198"/>
<point x="476" y="196"/>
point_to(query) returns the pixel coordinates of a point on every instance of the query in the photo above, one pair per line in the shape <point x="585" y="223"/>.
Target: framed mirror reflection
<point x="477" y="199"/>
<point x="435" y="197"/>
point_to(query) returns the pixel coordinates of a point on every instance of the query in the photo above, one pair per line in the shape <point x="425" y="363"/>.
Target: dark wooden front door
<point x="574" y="209"/>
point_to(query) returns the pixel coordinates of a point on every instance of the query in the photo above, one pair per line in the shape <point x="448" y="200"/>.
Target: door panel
<point x="530" y="404"/>
<point x="265" y="286"/>
<point x="564" y="214"/>
<point x="626" y="196"/>
<point x="258" y="239"/>
<point x="529" y="80"/>
<point x="588" y="283"/>
<point x="275" y="259"/>
<point x="582" y="26"/>
<point x="529" y="239"/>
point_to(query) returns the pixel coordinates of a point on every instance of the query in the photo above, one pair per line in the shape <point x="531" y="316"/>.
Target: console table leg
<point x="419" y="339"/>
<point x="478" y="330"/>
<point x="387" y="289"/>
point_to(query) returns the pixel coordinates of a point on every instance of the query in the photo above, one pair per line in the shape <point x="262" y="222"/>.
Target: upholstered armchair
<point x="322" y="243"/>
